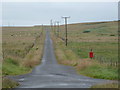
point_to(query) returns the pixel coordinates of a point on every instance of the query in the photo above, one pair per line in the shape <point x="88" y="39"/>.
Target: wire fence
<point x="26" y="49"/>
<point x="107" y="61"/>
<point x="113" y="62"/>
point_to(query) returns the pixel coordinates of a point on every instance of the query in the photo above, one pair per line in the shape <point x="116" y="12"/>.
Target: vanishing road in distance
<point x="50" y="74"/>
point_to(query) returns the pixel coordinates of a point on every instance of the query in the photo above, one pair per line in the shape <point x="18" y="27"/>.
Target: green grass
<point x="70" y="56"/>
<point x="82" y="49"/>
<point x="12" y="67"/>
<point x="101" y="37"/>
<point x="9" y="84"/>
<point x="100" y="71"/>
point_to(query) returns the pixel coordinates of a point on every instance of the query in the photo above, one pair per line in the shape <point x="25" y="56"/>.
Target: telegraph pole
<point x="42" y="28"/>
<point x="55" y="27"/>
<point x="58" y="27"/>
<point x="66" y="27"/>
<point x="51" y="24"/>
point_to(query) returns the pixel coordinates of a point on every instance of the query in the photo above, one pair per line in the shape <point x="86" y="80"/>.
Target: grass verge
<point x="108" y="85"/>
<point x="9" y="83"/>
<point x="85" y="66"/>
<point x="12" y="67"/>
<point x="21" y="51"/>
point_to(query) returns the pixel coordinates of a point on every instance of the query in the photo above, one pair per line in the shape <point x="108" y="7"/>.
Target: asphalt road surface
<point x="50" y="74"/>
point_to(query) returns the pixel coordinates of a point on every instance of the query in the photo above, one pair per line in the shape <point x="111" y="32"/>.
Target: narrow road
<point x="49" y="74"/>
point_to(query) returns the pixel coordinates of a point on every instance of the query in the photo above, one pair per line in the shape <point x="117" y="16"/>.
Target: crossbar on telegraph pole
<point x="66" y="28"/>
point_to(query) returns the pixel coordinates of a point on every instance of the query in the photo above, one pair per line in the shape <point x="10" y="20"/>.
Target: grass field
<point x="23" y="46"/>
<point x="102" y="37"/>
<point x="22" y="50"/>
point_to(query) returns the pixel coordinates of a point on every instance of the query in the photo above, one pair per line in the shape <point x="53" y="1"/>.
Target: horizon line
<point x="61" y="24"/>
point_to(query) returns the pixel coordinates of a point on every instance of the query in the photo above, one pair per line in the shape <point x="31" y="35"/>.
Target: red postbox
<point x="91" y="54"/>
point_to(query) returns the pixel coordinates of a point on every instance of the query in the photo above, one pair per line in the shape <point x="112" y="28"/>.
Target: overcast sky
<point x="60" y="0"/>
<point x="35" y="13"/>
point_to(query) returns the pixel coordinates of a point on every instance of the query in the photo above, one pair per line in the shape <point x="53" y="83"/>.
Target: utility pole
<point x="55" y="27"/>
<point x="58" y="27"/>
<point x="42" y="28"/>
<point x="51" y="24"/>
<point x="66" y="27"/>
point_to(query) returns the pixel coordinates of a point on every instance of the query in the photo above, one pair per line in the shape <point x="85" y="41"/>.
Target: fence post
<point x="111" y="62"/>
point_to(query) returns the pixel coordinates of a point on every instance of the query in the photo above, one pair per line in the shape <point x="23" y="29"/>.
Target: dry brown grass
<point x="64" y="55"/>
<point x="114" y="85"/>
<point x="34" y="56"/>
<point x="17" y="39"/>
<point x="84" y="63"/>
<point x="99" y="32"/>
<point x="23" y="44"/>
